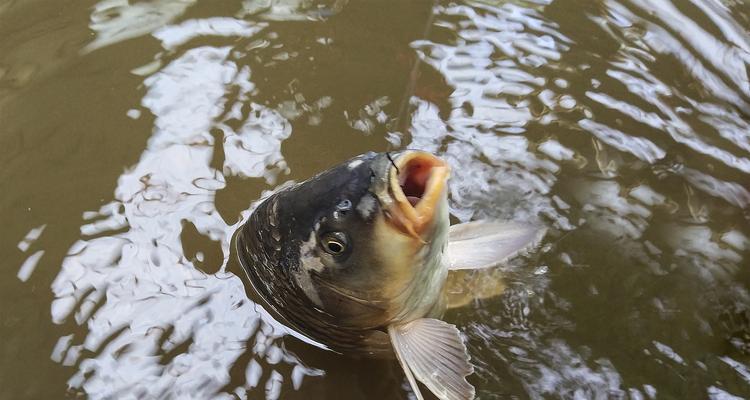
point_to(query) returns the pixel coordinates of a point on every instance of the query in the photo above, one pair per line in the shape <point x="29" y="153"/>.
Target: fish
<point x="357" y="258"/>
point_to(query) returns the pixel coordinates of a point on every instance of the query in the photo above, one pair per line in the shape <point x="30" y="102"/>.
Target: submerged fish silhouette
<point x="357" y="258"/>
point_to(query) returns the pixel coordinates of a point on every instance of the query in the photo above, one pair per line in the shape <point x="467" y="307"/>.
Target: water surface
<point x="137" y="136"/>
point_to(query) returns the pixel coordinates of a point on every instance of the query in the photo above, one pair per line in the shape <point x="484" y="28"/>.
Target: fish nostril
<point x="344" y="206"/>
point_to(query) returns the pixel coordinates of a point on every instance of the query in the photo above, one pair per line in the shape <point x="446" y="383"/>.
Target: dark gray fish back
<point x="268" y="247"/>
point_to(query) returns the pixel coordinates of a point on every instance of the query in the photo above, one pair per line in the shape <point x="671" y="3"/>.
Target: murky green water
<point x="135" y="137"/>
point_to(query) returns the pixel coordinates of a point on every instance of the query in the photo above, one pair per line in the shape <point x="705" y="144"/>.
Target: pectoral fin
<point x="432" y="351"/>
<point x="483" y="244"/>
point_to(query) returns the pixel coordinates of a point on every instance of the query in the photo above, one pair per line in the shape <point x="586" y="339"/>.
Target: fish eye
<point x="334" y="243"/>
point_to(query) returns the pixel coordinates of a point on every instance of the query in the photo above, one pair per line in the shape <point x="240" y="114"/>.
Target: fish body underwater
<point x="357" y="258"/>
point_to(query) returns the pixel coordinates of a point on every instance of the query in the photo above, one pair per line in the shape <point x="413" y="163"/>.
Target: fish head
<point x="369" y="235"/>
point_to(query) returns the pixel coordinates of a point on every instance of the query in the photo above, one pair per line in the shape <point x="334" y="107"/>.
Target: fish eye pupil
<point x="335" y="247"/>
<point x="334" y="243"/>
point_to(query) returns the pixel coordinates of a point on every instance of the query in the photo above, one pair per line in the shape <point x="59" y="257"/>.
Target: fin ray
<point x="433" y="351"/>
<point x="484" y="244"/>
<point x="405" y="366"/>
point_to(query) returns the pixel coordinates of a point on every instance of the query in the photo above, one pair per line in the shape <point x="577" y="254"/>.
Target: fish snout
<point x="418" y="181"/>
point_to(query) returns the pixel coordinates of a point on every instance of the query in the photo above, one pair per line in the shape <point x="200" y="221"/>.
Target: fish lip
<point x="421" y="172"/>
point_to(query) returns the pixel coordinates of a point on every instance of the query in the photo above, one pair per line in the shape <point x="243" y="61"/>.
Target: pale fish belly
<point x="423" y="297"/>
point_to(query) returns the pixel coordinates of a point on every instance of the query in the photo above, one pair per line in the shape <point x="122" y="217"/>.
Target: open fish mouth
<point x="417" y="184"/>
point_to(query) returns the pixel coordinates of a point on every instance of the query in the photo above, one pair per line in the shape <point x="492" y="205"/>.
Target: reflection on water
<point x="148" y="308"/>
<point x="118" y="20"/>
<point x="621" y="125"/>
<point x="291" y="10"/>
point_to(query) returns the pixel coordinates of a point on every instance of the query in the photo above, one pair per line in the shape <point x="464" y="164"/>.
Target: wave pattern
<point x="158" y="325"/>
<point x="581" y="119"/>
<point x="623" y="125"/>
